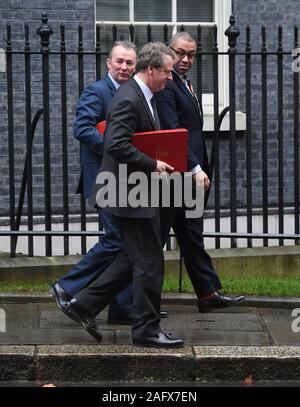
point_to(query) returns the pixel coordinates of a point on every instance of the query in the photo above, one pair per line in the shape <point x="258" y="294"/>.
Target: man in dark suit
<point x="91" y="109"/>
<point x="178" y="106"/>
<point x="132" y="110"/>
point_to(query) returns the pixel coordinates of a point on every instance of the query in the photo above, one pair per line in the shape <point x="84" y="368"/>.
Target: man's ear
<point x="107" y="63"/>
<point x="150" y="69"/>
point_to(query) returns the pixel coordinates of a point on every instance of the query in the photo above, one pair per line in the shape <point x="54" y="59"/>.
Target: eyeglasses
<point x="181" y="54"/>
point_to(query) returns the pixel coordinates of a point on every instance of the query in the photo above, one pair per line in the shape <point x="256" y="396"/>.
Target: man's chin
<point x="181" y="71"/>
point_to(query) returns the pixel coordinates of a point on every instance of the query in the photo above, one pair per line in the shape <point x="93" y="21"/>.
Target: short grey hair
<point x="184" y="36"/>
<point x="124" y="44"/>
<point x="152" y="54"/>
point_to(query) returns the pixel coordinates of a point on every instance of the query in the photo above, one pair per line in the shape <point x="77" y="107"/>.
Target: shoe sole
<point x="54" y="295"/>
<point x="150" y="345"/>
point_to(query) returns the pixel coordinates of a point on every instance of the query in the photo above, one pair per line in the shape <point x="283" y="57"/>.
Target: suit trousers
<point x="197" y="261"/>
<point x="95" y="262"/>
<point x="142" y="262"/>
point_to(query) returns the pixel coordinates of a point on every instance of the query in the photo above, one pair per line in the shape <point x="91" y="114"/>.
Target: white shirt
<point x="116" y="84"/>
<point x="146" y="92"/>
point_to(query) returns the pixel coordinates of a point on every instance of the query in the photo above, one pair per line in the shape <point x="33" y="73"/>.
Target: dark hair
<point x="183" y="35"/>
<point x="152" y="54"/>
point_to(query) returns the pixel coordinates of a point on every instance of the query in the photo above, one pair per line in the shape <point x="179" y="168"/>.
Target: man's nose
<point x="124" y="65"/>
<point x="185" y="58"/>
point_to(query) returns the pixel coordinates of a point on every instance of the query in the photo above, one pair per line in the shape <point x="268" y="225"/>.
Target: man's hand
<point x="202" y="180"/>
<point x="161" y="167"/>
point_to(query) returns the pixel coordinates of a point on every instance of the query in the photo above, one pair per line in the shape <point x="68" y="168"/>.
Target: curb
<point x="167" y="298"/>
<point x="96" y="363"/>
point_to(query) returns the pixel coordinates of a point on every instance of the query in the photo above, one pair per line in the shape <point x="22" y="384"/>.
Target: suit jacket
<point x="177" y="107"/>
<point x="91" y="109"/>
<point x="128" y="113"/>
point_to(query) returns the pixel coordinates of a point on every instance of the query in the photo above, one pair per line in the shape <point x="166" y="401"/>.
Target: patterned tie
<point x="155" y="114"/>
<point x="191" y="89"/>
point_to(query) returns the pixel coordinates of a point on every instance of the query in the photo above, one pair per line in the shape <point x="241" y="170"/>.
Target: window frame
<point x="222" y="12"/>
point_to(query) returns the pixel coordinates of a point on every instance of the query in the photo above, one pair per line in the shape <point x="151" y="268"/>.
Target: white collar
<point x="115" y="83"/>
<point x="144" y="88"/>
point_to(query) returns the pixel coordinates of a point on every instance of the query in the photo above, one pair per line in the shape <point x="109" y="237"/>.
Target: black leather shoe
<point x="160" y="340"/>
<point x="125" y="319"/>
<point x="88" y="323"/>
<point x="218" y="301"/>
<point x="62" y="298"/>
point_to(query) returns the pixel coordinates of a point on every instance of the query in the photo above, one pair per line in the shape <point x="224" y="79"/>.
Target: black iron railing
<point x="252" y="186"/>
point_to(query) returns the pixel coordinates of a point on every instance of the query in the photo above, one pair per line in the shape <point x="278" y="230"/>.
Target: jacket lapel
<point x="183" y="87"/>
<point x="110" y="85"/>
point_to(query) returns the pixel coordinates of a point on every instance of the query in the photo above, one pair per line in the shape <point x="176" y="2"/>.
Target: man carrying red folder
<point x="133" y="110"/>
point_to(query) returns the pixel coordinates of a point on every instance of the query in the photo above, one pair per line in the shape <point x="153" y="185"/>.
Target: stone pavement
<point x="256" y="339"/>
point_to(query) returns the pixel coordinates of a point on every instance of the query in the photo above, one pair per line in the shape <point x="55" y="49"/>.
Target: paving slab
<point x="41" y="344"/>
<point x="279" y="324"/>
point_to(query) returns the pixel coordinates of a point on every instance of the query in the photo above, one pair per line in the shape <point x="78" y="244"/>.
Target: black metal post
<point x="131" y="32"/>
<point x="248" y="134"/>
<point x="80" y="89"/>
<point x="216" y="143"/>
<point x="28" y="140"/>
<point x="296" y="137"/>
<point x="264" y="111"/>
<point x="44" y="31"/>
<point x="149" y="34"/>
<point x="280" y="132"/>
<point x="98" y="53"/>
<point x="114" y="30"/>
<point x="166" y="28"/>
<point x="232" y="33"/>
<point x="64" y="135"/>
<point x="11" y="148"/>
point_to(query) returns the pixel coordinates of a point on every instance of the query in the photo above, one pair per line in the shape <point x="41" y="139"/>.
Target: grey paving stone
<point x="279" y="324"/>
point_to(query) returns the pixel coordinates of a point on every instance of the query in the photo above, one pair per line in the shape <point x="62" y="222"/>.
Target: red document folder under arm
<point x="169" y="146"/>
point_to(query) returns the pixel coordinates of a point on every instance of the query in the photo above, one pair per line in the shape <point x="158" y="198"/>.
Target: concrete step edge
<point x="167" y="298"/>
<point x="126" y="363"/>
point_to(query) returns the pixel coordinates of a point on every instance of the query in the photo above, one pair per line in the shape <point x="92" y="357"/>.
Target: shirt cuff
<point x="196" y="169"/>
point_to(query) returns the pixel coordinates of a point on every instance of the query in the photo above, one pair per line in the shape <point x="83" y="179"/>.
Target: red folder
<point x="169" y="146"/>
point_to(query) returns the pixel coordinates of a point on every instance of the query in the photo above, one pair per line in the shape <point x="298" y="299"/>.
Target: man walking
<point x="91" y="109"/>
<point x="133" y="110"/>
<point x="178" y="106"/>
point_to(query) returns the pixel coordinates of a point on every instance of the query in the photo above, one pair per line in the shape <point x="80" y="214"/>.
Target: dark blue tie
<point x="155" y="114"/>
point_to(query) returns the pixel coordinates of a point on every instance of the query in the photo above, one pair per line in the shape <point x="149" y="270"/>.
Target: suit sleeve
<point x="122" y="123"/>
<point x="89" y="112"/>
<point x="169" y="116"/>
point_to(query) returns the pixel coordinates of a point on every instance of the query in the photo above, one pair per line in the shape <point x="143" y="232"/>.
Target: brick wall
<point x="71" y="13"/>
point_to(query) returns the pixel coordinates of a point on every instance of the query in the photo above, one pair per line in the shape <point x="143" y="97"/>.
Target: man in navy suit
<point x="179" y="107"/>
<point x="91" y="109"/>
